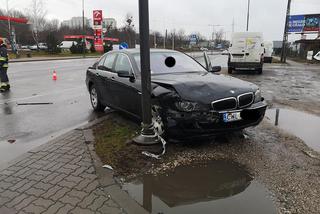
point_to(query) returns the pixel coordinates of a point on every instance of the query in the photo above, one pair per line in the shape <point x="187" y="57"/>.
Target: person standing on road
<point x="4" y="60"/>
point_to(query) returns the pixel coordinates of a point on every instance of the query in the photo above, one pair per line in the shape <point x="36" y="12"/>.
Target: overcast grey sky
<point x="267" y="16"/>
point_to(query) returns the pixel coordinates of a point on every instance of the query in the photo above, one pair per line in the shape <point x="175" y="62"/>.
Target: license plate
<point x="231" y="116"/>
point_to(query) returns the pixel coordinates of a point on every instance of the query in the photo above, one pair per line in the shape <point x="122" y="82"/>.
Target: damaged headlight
<point x="187" y="106"/>
<point x="257" y="96"/>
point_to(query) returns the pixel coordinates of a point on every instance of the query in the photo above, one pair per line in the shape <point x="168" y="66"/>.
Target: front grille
<point x="224" y="104"/>
<point x="245" y="100"/>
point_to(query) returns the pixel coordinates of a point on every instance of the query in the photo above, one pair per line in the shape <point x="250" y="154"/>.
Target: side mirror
<point x="125" y="74"/>
<point x="216" y="69"/>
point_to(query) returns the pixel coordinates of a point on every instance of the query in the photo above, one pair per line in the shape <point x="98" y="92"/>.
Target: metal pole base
<point x="147" y="137"/>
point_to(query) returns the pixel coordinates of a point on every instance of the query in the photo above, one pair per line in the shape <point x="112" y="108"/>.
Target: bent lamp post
<point x="148" y="135"/>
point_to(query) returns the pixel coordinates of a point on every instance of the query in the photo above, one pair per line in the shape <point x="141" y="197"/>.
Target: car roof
<point x="137" y="51"/>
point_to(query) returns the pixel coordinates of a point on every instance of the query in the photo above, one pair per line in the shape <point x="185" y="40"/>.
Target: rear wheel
<point x="95" y="100"/>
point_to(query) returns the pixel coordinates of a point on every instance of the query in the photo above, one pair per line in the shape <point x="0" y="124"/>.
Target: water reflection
<point x="303" y="125"/>
<point x="193" y="188"/>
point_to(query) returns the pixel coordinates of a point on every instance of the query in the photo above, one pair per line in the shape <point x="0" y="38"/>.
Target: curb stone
<point x="107" y="181"/>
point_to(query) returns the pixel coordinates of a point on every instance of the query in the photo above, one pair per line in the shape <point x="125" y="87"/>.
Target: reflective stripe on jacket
<point x="4" y="59"/>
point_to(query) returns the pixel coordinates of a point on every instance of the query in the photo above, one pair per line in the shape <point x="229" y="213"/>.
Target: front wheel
<point x="157" y="121"/>
<point x="95" y="100"/>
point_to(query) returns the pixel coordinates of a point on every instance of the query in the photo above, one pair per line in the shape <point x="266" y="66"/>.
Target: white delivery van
<point x="268" y="46"/>
<point x="246" y="52"/>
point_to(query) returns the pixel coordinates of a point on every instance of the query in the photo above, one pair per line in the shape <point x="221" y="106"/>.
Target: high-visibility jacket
<point x="4" y="58"/>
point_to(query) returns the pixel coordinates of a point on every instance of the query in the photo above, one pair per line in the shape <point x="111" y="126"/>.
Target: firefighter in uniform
<point x="4" y="59"/>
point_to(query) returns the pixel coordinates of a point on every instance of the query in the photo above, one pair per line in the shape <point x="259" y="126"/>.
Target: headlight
<point x="257" y="96"/>
<point x="187" y="106"/>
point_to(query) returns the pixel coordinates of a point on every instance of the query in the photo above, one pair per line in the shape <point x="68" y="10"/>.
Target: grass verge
<point x="113" y="145"/>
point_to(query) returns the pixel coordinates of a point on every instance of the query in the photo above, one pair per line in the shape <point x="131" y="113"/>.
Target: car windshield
<point x="183" y="63"/>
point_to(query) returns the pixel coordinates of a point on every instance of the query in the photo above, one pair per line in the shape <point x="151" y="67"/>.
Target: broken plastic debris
<point x="149" y="154"/>
<point x="107" y="167"/>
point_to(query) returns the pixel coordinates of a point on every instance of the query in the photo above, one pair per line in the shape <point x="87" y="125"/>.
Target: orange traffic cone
<point x="54" y="76"/>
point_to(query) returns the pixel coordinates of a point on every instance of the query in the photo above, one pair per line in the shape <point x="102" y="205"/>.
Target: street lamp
<point x="248" y="15"/>
<point x="83" y="32"/>
<point x="148" y="135"/>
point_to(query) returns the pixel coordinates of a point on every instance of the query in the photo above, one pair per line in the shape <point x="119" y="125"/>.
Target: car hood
<point x="204" y="87"/>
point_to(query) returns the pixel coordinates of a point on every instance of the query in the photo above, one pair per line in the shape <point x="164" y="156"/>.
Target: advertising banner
<point x="304" y="23"/>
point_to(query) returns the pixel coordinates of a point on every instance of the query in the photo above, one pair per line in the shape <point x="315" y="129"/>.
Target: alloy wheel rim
<point x="157" y="122"/>
<point x="94" y="97"/>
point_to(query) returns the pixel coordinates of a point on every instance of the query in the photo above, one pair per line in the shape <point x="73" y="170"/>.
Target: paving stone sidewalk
<point x="58" y="177"/>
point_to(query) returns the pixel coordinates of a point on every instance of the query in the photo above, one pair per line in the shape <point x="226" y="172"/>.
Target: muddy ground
<point x="278" y="160"/>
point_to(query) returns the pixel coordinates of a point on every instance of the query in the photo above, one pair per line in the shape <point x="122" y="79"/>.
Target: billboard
<point x="304" y="23"/>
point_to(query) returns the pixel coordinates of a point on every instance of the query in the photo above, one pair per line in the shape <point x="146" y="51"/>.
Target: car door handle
<point x="97" y="74"/>
<point x="113" y="78"/>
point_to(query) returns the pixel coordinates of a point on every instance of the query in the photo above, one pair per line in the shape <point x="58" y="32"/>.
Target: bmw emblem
<point x="232" y="92"/>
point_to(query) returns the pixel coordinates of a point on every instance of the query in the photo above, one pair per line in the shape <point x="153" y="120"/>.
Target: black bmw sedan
<point x="188" y="99"/>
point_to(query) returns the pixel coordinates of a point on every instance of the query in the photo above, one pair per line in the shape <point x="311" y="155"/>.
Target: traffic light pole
<point x="285" y="35"/>
<point x="147" y="136"/>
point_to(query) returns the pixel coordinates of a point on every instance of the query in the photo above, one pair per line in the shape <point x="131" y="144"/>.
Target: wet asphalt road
<point x="32" y="125"/>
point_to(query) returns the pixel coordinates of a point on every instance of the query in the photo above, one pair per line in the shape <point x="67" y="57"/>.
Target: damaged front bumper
<point x="186" y="125"/>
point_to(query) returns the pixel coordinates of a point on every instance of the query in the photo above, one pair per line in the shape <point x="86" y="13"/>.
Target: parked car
<point x="42" y="46"/>
<point x="246" y="52"/>
<point x="188" y="99"/>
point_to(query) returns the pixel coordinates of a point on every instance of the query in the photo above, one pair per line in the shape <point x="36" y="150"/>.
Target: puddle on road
<point x="303" y="125"/>
<point x="217" y="187"/>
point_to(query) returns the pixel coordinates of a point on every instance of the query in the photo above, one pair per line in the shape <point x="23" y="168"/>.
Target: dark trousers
<point x="3" y="75"/>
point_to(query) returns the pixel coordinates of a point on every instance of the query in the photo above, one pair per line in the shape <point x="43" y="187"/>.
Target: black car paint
<point x="206" y="87"/>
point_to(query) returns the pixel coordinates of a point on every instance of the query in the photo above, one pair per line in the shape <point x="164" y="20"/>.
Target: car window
<point x="108" y="63"/>
<point x="183" y="63"/>
<point x="101" y="62"/>
<point x="123" y="63"/>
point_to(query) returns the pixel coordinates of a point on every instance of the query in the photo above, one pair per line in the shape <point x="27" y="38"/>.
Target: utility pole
<point x="165" y="39"/>
<point x="248" y="15"/>
<point x="147" y="136"/>
<point x="285" y="35"/>
<point x="173" y="39"/>
<point x="233" y="25"/>
<point x="83" y="32"/>
<point x="9" y="22"/>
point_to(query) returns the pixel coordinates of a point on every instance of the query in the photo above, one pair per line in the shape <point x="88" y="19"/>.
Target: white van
<point x="268" y="46"/>
<point x="67" y="44"/>
<point x="246" y="52"/>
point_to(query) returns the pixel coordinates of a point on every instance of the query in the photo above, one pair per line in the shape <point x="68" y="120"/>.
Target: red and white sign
<point x="97" y="15"/>
<point x="97" y="26"/>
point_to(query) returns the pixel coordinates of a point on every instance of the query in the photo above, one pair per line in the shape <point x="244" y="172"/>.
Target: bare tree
<point x="37" y="14"/>
<point x="129" y="29"/>
<point x="219" y="36"/>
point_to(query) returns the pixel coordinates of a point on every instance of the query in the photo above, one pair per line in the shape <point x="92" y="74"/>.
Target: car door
<point x="125" y="89"/>
<point x="105" y="70"/>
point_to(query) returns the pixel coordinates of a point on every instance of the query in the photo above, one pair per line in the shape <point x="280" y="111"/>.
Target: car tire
<point x="259" y="71"/>
<point x="95" y="100"/>
<point x="230" y="70"/>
